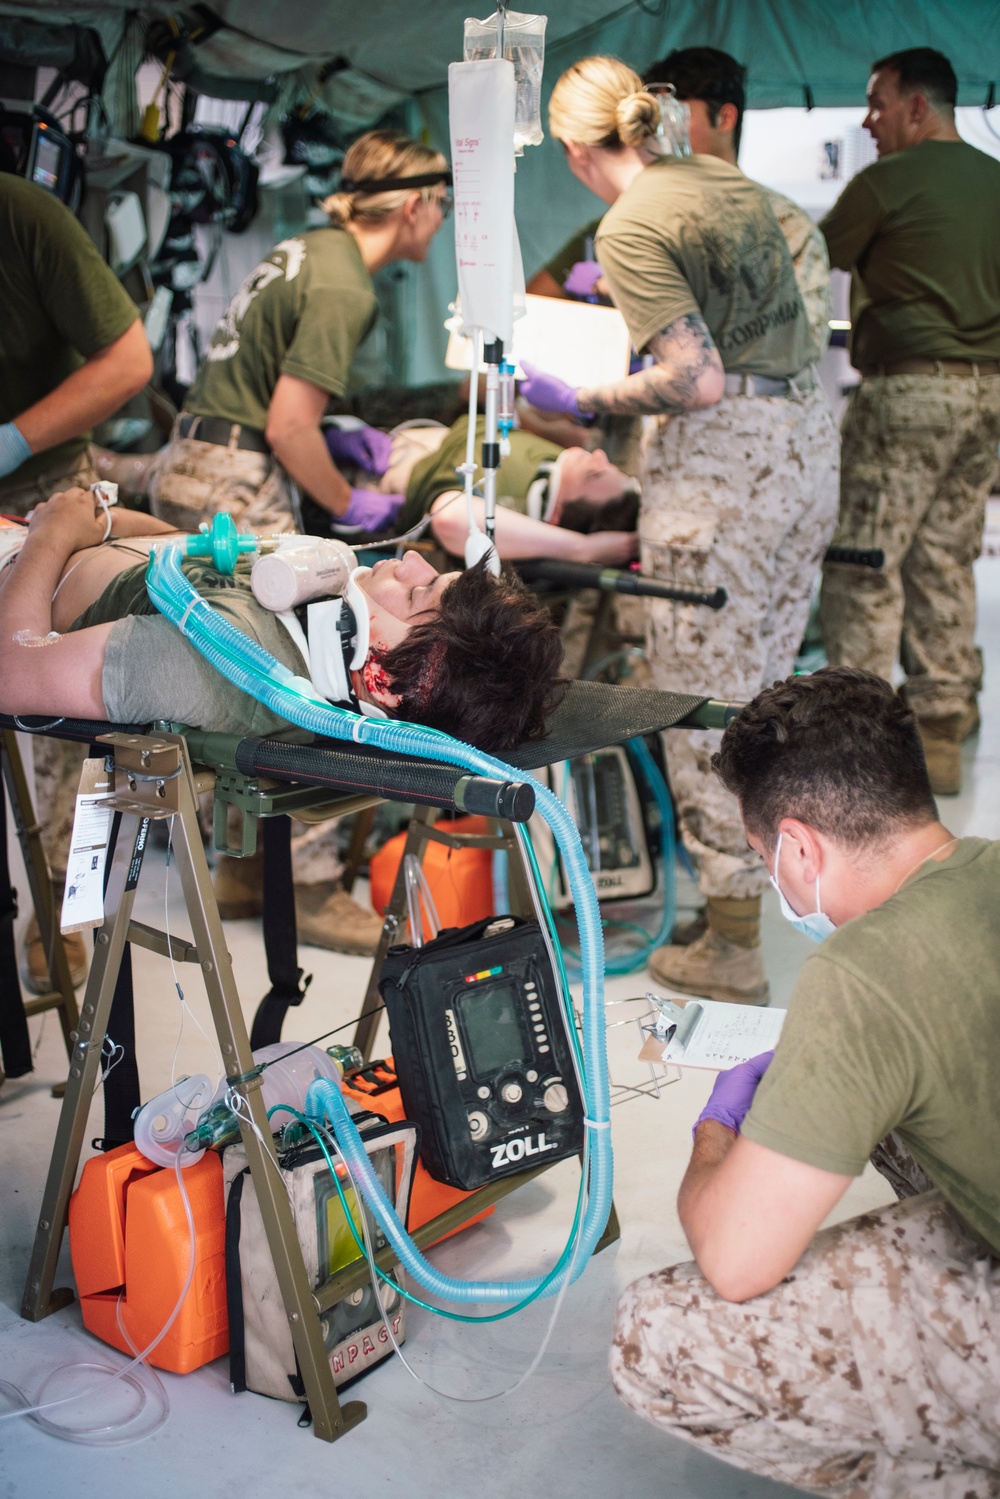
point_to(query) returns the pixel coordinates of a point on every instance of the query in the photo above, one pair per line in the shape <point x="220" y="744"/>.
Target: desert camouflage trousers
<point x="742" y="495"/>
<point x="190" y="481"/>
<point x="871" y="1372"/>
<point x="919" y="456"/>
<point x="57" y="762"/>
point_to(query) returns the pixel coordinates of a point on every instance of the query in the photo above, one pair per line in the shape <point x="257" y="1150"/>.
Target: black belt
<point x="216" y="429"/>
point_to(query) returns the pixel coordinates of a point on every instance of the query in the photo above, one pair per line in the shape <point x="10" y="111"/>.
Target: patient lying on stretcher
<point x="468" y="653"/>
<point x="564" y="503"/>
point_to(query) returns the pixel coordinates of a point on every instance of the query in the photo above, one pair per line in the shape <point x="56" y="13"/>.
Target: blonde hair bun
<point x="637" y="118"/>
<point x="600" y="101"/>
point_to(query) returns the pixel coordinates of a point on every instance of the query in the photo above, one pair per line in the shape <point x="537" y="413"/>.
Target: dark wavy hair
<point x="486" y="668"/>
<point x="710" y="75"/>
<point x="839" y="750"/>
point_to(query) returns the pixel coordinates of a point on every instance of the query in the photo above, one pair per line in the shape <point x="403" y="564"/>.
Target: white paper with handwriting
<point x="721" y="1036"/>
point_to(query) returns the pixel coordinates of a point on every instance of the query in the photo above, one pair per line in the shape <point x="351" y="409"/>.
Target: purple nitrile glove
<point x="582" y="278"/>
<point x="366" y="447"/>
<point x="369" y="510"/>
<point x="734" y="1091"/>
<point x="549" y="393"/>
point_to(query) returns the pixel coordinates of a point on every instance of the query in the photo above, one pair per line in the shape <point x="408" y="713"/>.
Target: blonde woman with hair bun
<point x="740" y="458"/>
<point x="252" y="422"/>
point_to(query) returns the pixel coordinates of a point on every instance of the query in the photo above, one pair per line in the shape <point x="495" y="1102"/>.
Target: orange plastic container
<point x="461" y="880"/>
<point x="428" y="1197"/>
<point x="128" y="1228"/>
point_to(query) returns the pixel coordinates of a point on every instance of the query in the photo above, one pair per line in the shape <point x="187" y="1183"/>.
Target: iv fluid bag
<point x="481" y="118"/>
<point x="524" y="46"/>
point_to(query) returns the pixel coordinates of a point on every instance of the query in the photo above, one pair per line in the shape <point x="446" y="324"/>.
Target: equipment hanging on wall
<point x="213" y="180"/>
<point x="481" y="1051"/>
<point x="33" y="146"/>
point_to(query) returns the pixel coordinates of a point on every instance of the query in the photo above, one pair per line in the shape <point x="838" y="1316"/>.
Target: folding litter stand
<point x="159" y="775"/>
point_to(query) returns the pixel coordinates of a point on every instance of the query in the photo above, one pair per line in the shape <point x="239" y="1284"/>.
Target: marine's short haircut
<point x="708" y="74"/>
<point x="486" y="668"/>
<point x="839" y="750"/>
<point x="922" y="70"/>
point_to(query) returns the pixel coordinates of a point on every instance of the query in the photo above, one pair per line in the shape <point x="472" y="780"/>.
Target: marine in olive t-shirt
<point x="61" y="305"/>
<point x="894" y="1025"/>
<point x="920" y="232"/>
<point x="436" y="474"/>
<point x="694" y="235"/>
<point x="303" y="311"/>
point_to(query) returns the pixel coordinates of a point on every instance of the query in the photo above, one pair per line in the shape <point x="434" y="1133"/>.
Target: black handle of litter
<point x="512" y="800"/>
<point x="395" y="777"/>
<point x="615" y="580"/>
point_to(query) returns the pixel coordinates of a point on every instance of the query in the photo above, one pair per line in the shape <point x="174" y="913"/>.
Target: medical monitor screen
<point x="47" y="164"/>
<point x="492" y="1028"/>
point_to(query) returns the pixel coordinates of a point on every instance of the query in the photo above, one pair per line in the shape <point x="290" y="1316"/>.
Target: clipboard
<point x="708" y="1033"/>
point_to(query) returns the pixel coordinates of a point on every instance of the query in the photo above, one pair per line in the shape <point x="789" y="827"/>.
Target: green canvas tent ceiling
<point x="797" y="51"/>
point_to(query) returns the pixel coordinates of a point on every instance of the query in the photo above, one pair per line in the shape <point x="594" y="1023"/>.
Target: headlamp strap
<point x="391" y="184"/>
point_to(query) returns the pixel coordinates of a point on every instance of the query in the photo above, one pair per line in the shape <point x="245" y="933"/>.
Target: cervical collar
<point x="544" y="491"/>
<point x="333" y="636"/>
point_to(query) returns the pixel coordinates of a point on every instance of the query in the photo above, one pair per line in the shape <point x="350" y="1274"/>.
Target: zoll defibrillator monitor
<point x="481" y="1051"/>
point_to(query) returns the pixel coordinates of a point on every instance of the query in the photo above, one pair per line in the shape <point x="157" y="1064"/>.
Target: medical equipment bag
<point x="261" y="1354"/>
<point x="481" y="1050"/>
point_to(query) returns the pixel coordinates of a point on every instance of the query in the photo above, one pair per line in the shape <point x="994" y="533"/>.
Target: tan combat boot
<point x="725" y="963"/>
<point x="326" y="916"/>
<point x="239" y="886"/>
<point x="942" y="742"/>
<point x="969" y="721"/>
<point x="686" y="932"/>
<point x="36" y="970"/>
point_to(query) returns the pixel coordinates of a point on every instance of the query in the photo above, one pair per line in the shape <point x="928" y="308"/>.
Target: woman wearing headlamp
<point x="252" y="422"/>
<point x="285" y="344"/>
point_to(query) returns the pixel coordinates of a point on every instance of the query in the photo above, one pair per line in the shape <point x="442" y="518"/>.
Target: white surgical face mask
<point x="817" y="925"/>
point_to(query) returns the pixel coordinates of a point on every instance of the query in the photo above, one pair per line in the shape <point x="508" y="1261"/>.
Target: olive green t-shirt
<point x="694" y="235"/>
<point x="894" y="1024"/>
<point x="151" y="671"/>
<point x="303" y="312"/>
<point x="60" y="305"/>
<point x="436" y="473"/>
<point x="920" y="232"/>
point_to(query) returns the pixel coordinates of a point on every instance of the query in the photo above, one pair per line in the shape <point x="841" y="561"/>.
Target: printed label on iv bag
<point x="83" y="898"/>
<point x="481" y="100"/>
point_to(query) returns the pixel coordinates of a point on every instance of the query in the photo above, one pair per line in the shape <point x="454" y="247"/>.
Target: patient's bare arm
<point x="688" y="374"/>
<point x="519" y="537"/>
<point x="61" y="676"/>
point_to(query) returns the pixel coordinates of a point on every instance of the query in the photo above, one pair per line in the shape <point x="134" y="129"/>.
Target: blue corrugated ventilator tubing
<point x="249" y="667"/>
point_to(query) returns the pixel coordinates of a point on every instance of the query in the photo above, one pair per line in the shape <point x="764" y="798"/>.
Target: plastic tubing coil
<point x="252" y="669"/>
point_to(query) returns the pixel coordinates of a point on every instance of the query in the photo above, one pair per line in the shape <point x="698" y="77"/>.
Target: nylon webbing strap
<point x="121" y="1087"/>
<point x="280" y="938"/>
<point x="15" y="1042"/>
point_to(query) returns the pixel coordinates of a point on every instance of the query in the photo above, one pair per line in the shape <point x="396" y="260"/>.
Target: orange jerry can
<point x="129" y="1239"/>
<point x="375" y="1087"/>
<point x="461" y="879"/>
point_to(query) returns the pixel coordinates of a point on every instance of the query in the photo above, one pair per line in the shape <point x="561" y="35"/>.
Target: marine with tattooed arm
<point x="740" y="462"/>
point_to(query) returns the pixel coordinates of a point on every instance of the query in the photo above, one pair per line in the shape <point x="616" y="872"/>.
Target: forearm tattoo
<point x="683" y="353"/>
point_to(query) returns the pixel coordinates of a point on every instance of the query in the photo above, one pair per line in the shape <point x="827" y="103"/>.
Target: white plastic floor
<point x="564" y="1434"/>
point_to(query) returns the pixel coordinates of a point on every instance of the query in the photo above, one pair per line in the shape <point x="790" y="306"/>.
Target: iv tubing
<point x="255" y="672"/>
<point x="117" y="1433"/>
